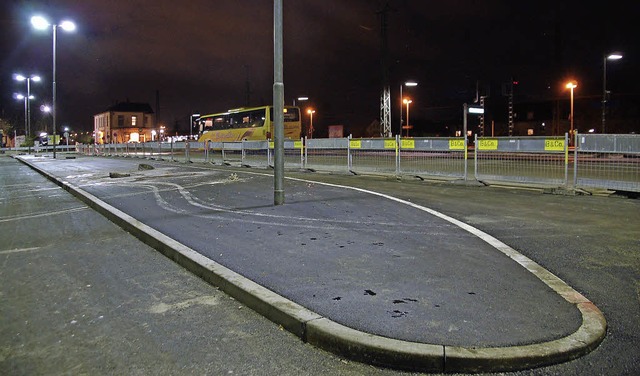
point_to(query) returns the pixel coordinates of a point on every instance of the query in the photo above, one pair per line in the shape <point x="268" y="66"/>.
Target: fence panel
<point x="255" y="153"/>
<point x="537" y="160"/>
<point x="293" y="154"/>
<point x="375" y="155"/>
<point x="608" y="161"/>
<point x="439" y="157"/>
<point x="328" y="154"/>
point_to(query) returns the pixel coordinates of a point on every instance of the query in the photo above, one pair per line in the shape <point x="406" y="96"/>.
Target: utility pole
<point x="278" y="105"/>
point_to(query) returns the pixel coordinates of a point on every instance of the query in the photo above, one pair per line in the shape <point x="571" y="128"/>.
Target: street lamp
<point x="613" y="56"/>
<point x="407" y="102"/>
<point x="35" y="78"/>
<point x="26" y="100"/>
<point x="41" y="23"/>
<point x="408" y="84"/>
<point x="311" y="112"/>
<point x="47" y="110"/>
<point x="66" y="136"/>
<point x="571" y="85"/>
<point x="301" y="99"/>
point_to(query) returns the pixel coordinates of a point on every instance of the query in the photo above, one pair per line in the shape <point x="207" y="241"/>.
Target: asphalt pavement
<point x="370" y="276"/>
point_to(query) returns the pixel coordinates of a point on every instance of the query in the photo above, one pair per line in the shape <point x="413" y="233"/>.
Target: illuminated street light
<point x="408" y="84"/>
<point x="41" y="23"/>
<point x="302" y="98"/>
<point x="66" y="136"/>
<point x="571" y="85"/>
<point x="34" y="78"/>
<point x="26" y="99"/>
<point x="47" y="110"/>
<point x="613" y="56"/>
<point x="407" y="102"/>
<point x="311" y="112"/>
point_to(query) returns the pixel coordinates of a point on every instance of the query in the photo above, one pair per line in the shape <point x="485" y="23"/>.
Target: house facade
<point x="124" y="122"/>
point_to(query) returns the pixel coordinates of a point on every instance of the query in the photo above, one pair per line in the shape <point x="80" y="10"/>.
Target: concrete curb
<point x="324" y="333"/>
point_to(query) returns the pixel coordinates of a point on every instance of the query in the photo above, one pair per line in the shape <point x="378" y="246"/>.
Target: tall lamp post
<point x="408" y="84"/>
<point x="311" y="112"/>
<point x="407" y="102"/>
<point x="613" y="56"/>
<point x="34" y="78"/>
<point x="47" y="110"/>
<point x="26" y="100"/>
<point x="41" y="23"/>
<point x="571" y="85"/>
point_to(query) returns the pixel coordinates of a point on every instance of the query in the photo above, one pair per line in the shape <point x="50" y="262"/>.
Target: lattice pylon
<point x="385" y="112"/>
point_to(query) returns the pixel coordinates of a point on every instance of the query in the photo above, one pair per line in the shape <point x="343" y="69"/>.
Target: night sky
<point x="209" y="56"/>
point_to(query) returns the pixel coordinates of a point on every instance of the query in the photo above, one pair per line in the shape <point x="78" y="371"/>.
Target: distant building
<point x="124" y="122"/>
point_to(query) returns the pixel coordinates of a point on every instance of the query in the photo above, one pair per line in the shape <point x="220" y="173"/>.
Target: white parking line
<point x="18" y="250"/>
<point x="38" y="215"/>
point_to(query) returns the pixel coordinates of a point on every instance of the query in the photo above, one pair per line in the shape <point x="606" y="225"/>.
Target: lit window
<point x="134" y="120"/>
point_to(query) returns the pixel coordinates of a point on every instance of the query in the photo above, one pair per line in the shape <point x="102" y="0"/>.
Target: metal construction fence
<point x="596" y="162"/>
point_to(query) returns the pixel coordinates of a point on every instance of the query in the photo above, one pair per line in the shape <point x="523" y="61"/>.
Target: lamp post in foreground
<point x="278" y="104"/>
<point x="571" y="85"/>
<point x="41" y="23"/>
<point x="613" y="56"/>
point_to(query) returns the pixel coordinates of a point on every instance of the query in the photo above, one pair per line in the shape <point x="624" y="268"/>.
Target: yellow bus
<point x="253" y="123"/>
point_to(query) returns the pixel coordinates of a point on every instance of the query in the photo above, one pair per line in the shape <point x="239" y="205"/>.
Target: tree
<point x="7" y="130"/>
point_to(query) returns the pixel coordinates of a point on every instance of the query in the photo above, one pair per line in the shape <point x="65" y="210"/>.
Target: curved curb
<point x="324" y="333"/>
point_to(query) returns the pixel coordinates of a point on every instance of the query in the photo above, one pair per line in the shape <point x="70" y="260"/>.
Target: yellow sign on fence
<point x="456" y="144"/>
<point x="488" y="144"/>
<point x="408" y="144"/>
<point x="554" y="145"/>
<point x="389" y="144"/>
<point x="297" y="144"/>
<point x="355" y="144"/>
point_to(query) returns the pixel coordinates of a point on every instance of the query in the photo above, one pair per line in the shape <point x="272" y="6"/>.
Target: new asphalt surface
<point x="363" y="274"/>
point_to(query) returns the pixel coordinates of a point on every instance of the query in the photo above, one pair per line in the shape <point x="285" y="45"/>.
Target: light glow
<point x="68" y="25"/>
<point x="39" y="22"/>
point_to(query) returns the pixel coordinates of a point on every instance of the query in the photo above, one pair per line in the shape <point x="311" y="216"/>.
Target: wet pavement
<point x="371" y="262"/>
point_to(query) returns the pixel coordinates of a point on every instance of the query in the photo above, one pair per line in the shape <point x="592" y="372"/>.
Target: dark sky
<point x="200" y="55"/>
